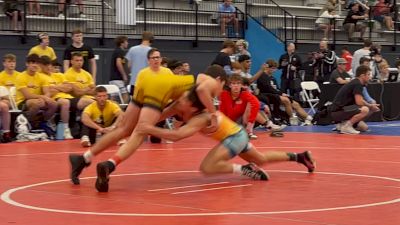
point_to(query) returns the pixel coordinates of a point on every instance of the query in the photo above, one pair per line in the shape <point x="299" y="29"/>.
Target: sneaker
<point x="307" y="160"/>
<point x="67" y="134"/>
<point x="103" y="171"/>
<point x="61" y="16"/>
<point x="338" y="126"/>
<point x="252" y="136"/>
<point x="77" y="164"/>
<point x="82" y="15"/>
<point x="253" y="171"/>
<point x="346" y="129"/>
<point x="85" y="142"/>
<point x="273" y="127"/>
<point x="6" y="137"/>
<point x="307" y="123"/>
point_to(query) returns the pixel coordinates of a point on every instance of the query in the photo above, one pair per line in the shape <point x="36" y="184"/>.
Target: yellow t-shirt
<point x="33" y="83"/>
<point x="158" y="88"/>
<point x="57" y="79"/>
<point x="48" y="51"/>
<point x="82" y="79"/>
<point x="8" y="80"/>
<point x="105" y="117"/>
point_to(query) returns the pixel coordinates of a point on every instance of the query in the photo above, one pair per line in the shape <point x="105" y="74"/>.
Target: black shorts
<point x="345" y="113"/>
<point x="9" y="13"/>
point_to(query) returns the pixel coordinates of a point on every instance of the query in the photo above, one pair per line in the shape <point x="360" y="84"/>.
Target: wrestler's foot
<point x="253" y="171"/>
<point x="307" y="160"/>
<point x="77" y="164"/>
<point x="103" y="171"/>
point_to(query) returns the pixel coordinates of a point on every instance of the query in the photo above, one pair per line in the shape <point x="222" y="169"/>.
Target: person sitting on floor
<point x="99" y="117"/>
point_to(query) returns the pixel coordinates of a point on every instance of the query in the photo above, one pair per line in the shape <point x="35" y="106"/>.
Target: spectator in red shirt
<point x="233" y="104"/>
<point x="346" y="54"/>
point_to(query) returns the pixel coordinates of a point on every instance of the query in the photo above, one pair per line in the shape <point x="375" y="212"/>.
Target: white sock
<point x="309" y="118"/>
<point x="66" y="125"/>
<point x="237" y="168"/>
<point x="88" y="155"/>
<point x="112" y="161"/>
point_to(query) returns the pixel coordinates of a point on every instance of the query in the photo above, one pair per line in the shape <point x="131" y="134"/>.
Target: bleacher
<point x="176" y="19"/>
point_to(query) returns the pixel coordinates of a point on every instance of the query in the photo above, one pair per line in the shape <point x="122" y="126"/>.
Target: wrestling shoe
<point x="307" y="160"/>
<point x="103" y="171"/>
<point x="77" y="164"/>
<point x="254" y="172"/>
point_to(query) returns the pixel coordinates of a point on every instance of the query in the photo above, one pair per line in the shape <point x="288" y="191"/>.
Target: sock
<point x="66" y="126"/>
<point x="237" y="168"/>
<point x="115" y="160"/>
<point x="309" y="118"/>
<point x="88" y="155"/>
<point x="292" y="156"/>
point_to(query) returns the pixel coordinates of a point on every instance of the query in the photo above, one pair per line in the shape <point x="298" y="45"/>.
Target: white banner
<point x="126" y="12"/>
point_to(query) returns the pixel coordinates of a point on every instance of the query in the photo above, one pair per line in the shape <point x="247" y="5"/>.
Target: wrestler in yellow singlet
<point x="156" y="89"/>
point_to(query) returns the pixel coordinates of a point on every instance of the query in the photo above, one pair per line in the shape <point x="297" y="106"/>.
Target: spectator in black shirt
<point x="223" y="58"/>
<point x="290" y="64"/>
<point x="118" y="74"/>
<point x="85" y="50"/>
<point x="349" y="108"/>
<point x="352" y="22"/>
<point x="268" y="86"/>
<point x="339" y="75"/>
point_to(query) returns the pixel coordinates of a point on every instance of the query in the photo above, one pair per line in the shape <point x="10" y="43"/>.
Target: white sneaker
<point x="338" y="126"/>
<point x="252" y="136"/>
<point x="61" y="16"/>
<point x="274" y="127"/>
<point x="67" y="134"/>
<point x="307" y="123"/>
<point x="85" y="142"/>
<point x="348" y="129"/>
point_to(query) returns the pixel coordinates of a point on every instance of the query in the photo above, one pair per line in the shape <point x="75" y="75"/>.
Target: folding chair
<point x="114" y="90"/>
<point x="307" y="88"/>
<point x="11" y="96"/>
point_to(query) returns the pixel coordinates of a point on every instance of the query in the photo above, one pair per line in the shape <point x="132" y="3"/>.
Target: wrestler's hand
<point x="213" y="124"/>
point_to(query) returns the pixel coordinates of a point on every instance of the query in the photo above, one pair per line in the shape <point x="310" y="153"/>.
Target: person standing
<point x="86" y="51"/>
<point x="290" y="64"/>
<point x="43" y="48"/>
<point x="137" y="57"/>
<point x="118" y="74"/>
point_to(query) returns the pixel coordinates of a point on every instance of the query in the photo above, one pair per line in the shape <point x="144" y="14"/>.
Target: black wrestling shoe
<point x="77" y="164"/>
<point x="307" y="160"/>
<point x="103" y="171"/>
<point x="254" y="172"/>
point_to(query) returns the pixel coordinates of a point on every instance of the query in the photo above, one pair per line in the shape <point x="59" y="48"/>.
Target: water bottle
<point x="60" y="131"/>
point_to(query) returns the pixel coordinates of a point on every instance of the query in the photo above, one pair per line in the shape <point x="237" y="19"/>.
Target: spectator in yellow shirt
<point x="32" y="94"/>
<point x="99" y="117"/>
<point x="81" y="80"/>
<point x="8" y="78"/>
<point x="43" y="47"/>
<point x="9" y="75"/>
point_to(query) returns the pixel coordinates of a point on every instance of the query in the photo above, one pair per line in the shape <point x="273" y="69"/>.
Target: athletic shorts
<point x="156" y="92"/>
<point x="237" y="143"/>
<point x="345" y="113"/>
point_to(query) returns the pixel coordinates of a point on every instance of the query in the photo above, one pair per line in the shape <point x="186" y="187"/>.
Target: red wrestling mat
<point x="357" y="182"/>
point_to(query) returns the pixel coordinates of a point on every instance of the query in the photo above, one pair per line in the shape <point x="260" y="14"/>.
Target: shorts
<point x="22" y="106"/>
<point x="237" y="143"/>
<point x="345" y="113"/>
<point x="120" y="84"/>
<point x="73" y="103"/>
